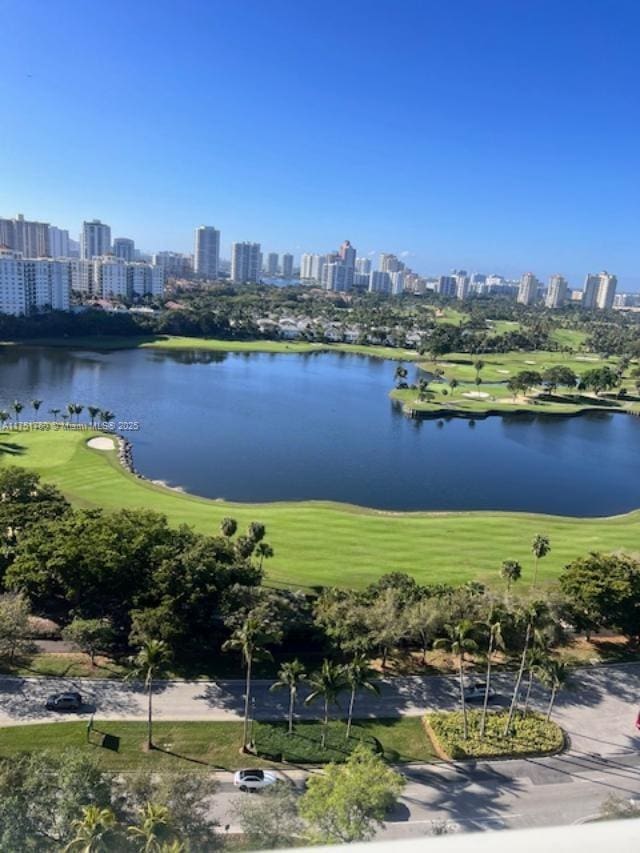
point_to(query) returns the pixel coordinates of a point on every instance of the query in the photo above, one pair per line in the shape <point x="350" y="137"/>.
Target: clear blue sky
<point x="496" y="135"/>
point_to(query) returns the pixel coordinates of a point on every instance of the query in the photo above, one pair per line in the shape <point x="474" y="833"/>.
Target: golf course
<point x="323" y="543"/>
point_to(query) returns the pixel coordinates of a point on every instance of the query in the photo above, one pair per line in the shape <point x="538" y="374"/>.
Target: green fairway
<point x="200" y="745"/>
<point x="322" y="543"/>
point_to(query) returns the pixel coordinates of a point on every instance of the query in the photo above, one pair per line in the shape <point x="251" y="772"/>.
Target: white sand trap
<point x="476" y="395"/>
<point x="587" y="358"/>
<point x="505" y="371"/>
<point x="101" y="443"/>
<point x="529" y="362"/>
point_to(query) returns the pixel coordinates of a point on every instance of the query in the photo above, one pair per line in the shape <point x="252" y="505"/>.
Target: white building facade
<point x="246" y="260"/>
<point x="206" y="256"/>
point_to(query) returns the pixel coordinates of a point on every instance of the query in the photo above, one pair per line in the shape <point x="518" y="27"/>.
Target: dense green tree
<point x="599" y="379"/>
<point x="25" y="500"/>
<point x="270" y="820"/>
<point x="511" y="572"/>
<point x="228" y="527"/>
<point x="559" y="376"/>
<point x="14" y="625"/>
<point x="92" y="636"/>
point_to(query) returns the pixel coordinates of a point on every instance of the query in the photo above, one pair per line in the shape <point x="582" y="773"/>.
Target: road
<point x="598" y="713"/>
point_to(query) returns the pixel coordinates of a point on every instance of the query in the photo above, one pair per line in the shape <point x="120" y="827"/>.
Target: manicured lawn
<point x="322" y="543"/>
<point x="531" y="735"/>
<point x="56" y="665"/>
<point x="209" y="746"/>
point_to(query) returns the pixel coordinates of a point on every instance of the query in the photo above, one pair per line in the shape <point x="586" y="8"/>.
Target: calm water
<point x="293" y="427"/>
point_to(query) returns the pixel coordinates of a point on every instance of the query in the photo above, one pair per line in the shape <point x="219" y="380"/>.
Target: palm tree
<point x="154" y="829"/>
<point x="228" y="527"/>
<point x="77" y="411"/>
<point x="36" y="405"/>
<point x="249" y="638"/>
<point x="151" y="659"/>
<point x="71" y="410"/>
<point x="327" y="683"/>
<point x="17" y="407"/>
<point x="106" y="416"/>
<point x="94" y="411"/>
<point x="478" y="364"/>
<point x="537" y="659"/>
<point x="290" y="676"/>
<point x="530" y="615"/>
<point x="511" y="571"/>
<point x="540" y="547"/>
<point x="359" y="676"/>
<point x="458" y="641"/>
<point x="264" y="551"/>
<point x="55" y="413"/>
<point x="496" y="641"/>
<point x="93" y="831"/>
<point x="554" y="675"/>
<point x="453" y="384"/>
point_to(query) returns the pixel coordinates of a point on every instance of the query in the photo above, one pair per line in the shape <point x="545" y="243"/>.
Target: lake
<point x="259" y="427"/>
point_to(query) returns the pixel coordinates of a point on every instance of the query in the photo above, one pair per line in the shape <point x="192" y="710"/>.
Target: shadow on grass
<point x="10" y="448"/>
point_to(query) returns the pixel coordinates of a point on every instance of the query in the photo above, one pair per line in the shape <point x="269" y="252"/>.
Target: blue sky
<point x="495" y="135"/>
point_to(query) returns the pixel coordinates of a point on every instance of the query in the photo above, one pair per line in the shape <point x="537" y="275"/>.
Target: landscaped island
<point x="322" y="543"/>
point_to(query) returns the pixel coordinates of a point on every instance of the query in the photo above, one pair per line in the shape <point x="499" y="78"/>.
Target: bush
<point x="530" y="735"/>
<point x="273" y="742"/>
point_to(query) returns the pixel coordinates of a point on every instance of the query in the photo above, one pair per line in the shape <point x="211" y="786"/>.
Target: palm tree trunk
<point x="325" y="723"/>
<point x="528" y="694"/>
<point x="485" y="704"/>
<point x="150" y="716"/>
<point x="535" y="572"/>
<point x="516" y="689"/>
<point x="350" y="716"/>
<point x="462" y="700"/>
<point x="247" y="696"/>
<point x="554" y="690"/>
<point x="291" y="701"/>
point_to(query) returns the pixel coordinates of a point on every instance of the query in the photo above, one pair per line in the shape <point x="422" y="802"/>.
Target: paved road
<point x="598" y="712"/>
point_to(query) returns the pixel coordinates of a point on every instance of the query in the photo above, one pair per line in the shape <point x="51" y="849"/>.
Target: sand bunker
<point x="101" y="443"/>
<point x="476" y="395"/>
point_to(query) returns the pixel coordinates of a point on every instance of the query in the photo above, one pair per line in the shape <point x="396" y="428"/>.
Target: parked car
<point x="254" y="780"/>
<point x="475" y="692"/>
<point x="71" y="701"/>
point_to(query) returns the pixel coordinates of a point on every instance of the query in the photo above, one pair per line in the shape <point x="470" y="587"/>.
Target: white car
<point x="254" y="780"/>
<point x="475" y="692"/>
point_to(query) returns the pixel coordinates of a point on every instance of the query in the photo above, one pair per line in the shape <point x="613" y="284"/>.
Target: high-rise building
<point x="206" y="255"/>
<point x="124" y="248"/>
<point x="306" y="263"/>
<point x="528" y="289"/>
<point x="287" y="265"/>
<point x="32" y="284"/>
<point x="23" y="235"/>
<point x="246" y="261"/>
<point x="58" y="242"/>
<point x="95" y="240"/>
<point x="363" y="266"/>
<point x="110" y="277"/>
<point x="81" y="273"/>
<point x="446" y="286"/>
<point x="590" y="291"/>
<point x="271" y="267"/>
<point x="606" y="290"/>
<point x="462" y="285"/>
<point x="145" y="279"/>
<point x="556" y="292"/>
<point x="174" y="264"/>
<point x="389" y="263"/>
<point x="379" y="282"/>
<point x="397" y="282"/>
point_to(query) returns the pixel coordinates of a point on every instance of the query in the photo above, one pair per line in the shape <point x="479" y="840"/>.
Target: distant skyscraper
<point x="462" y="285"/>
<point x="95" y="239"/>
<point x="606" y="290"/>
<point x="590" y="292"/>
<point x="528" y="289"/>
<point x="556" y="292"/>
<point x="389" y="263"/>
<point x="287" y="265"/>
<point x="306" y="262"/>
<point x="124" y="248"/>
<point x="206" y="256"/>
<point x="58" y="242"/>
<point x="23" y="235"/>
<point x="379" y="282"/>
<point x="397" y="282"/>
<point x="246" y="260"/>
<point x="446" y="286"/>
<point x="363" y="266"/>
<point x="271" y="266"/>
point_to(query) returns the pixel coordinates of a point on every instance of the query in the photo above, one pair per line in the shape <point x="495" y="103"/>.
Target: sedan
<point x="254" y="780"/>
<point x="476" y="692"/>
<point x="70" y="701"/>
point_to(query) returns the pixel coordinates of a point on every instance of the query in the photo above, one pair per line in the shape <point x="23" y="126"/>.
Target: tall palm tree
<point x="290" y="676"/>
<point x="453" y="384"/>
<point x="537" y="659"/>
<point x="496" y="641"/>
<point x="540" y="547"/>
<point x="459" y="641"/>
<point x="228" y="527"/>
<point x="359" y="676"/>
<point x="106" y="416"/>
<point x="71" y="410"/>
<point x="55" y="413"/>
<point x="511" y="571"/>
<point x="36" y="405"/>
<point x="148" y="664"/>
<point x="94" y="411"/>
<point x="529" y="615"/>
<point x="17" y="407"/>
<point x="77" y="411"/>
<point x="264" y="551"/>
<point x="250" y="638"/>
<point x="554" y="675"/>
<point x="327" y="683"/>
<point x="94" y="831"/>
<point x="478" y="364"/>
<point x="154" y="829"/>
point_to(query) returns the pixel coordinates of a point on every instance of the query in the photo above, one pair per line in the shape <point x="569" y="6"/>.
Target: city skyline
<point x="482" y="164"/>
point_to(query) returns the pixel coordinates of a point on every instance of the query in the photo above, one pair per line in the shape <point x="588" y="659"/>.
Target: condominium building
<point x="246" y="260"/>
<point x="110" y="277"/>
<point x="397" y="282"/>
<point x="271" y="267"/>
<point x="389" y="263"/>
<point x="81" y="275"/>
<point x="462" y="285"/>
<point x="606" y="291"/>
<point x="32" y="284"/>
<point x="446" y="286"/>
<point x="287" y="265"/>
<point x="363" y="266"/>
<point x="528" y="289"/>
<point x="95" y="240"/>
<point x="25" y="236"/>
<point x="58" y="242"/>
<point x="124" y="248"/>
<point x="556" y="292"/>
<point x="336" y="275"/>
<point x="590" y="291"/>
<point x="174" y="264"/>
<point x="379" y="282"/>
<point x="144" y="279"/>
<point x="206" y="256"/>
